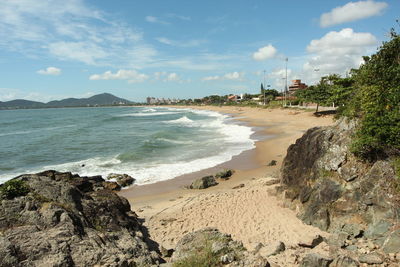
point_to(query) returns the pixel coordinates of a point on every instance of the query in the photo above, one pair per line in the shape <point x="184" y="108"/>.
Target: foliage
<point x="320" y="93"/>
<point x="13" y="188"/>
<point x="378" y="103"/>
<point x="203" y="258"/>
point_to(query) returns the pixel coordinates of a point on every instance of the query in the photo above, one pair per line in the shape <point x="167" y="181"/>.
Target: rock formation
<point x="331" y="189"/>
<point x="67" y="220"/>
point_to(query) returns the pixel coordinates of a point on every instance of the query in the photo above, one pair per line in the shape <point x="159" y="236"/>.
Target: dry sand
<point x="251" y="214"/>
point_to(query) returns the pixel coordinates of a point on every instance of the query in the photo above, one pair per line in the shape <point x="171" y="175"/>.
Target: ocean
<point x="150" y="144"/>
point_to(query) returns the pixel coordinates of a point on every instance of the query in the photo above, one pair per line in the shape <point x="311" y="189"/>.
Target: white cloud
<point x="278" y="78"/>
<point x="189" y="43"/>
<point x="71" y="30"/>
<point x="153" y="19"/>
<point x="352" y="11"/>
<point x="131" y="75"/>
<point x="50" y="71"/>
<point x="264" y="53"/>
<point x="337" y="52"/>
<point x="228" y="76"/>
<point x="173" y="77"/>
<point x="176" y="16"/>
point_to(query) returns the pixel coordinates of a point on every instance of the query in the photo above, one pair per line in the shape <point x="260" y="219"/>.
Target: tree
<point x="377" y="102"/>
<point x="319" y="94"/>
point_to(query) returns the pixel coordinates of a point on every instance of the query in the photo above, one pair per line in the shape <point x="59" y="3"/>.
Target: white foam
<point x="183" y="120"/>
<point x="144" y="114"/>
<point x="237" y="138"/>
<point x="37" y="130"/>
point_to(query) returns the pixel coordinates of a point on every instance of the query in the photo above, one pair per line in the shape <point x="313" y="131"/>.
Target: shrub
<point x="13" y="188"/>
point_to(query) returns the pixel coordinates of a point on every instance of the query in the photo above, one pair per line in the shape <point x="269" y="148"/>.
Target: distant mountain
<point x="96" y="100"/>
<point x="21" y="103"/>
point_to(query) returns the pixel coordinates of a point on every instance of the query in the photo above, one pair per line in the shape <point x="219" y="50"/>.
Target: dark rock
<point x="271" y="182"/>
<point x="272" y="163"/>
<point x="166" y="252"/>
<point x="378" y="229"/>
<point x="238" y="186"/>
<point x="305" y="194"/>
<point x="225" y="174"/>
<point x="392" y="243"/>
<point x="315" y="260"/>
<point x="312" y="242"/>
<point x="111" y="186"/>
<point x="344" y="261"/>
<point x="203" y="182"/>
<point x="62" y="222"/>
<point x="371" y="258"/>
<point x="338" y="240"/>
<point x="122" y="179"/>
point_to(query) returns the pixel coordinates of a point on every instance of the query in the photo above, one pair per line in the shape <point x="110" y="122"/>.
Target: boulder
<point x="315" y="260"/>
<point x="225" y="174"/>
<point x="392" y="243"/>
<point x="67" y="220"/>
<point x="209" y="247"/>
<point x="371" y="258"/>
<point x="272" y="249"/>
<point x="312" y="242"/>
<point x="203" y="182"/>
<point x="272" y="163"/>
<point x="122" y="179"/>
<point x="344" y="261"/>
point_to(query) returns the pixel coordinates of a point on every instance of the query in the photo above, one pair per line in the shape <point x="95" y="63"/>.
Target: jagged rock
<point x="315" y="260"/>
<point x="333" y="188"/>
<point x="111" y="186"/>
<point x="272" y="249"/>
<point x="63" y="221"/>
<point x="221" y="247"/>
<point x="122" y="179"/>
<point x="203" y="182"/>
<point x="272" y="163"/>
<point x="271" y="182"/>
<point x="344" y="261"/>
<point x="378" y="229"/>
<point x="225" y="174"/>
<point x="392" y="243"/>
<point x="371" y="258"/>
<point x="166" y="252"/>
<point x="238" y="186"/>
<point x="338" y="240"/>
<point x="313" y="242"/>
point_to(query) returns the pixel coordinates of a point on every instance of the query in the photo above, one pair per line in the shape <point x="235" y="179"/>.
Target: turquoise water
<point x="150" y="144"/>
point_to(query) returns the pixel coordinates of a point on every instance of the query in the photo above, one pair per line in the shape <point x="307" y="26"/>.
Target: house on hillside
<point x="235" y="98"/>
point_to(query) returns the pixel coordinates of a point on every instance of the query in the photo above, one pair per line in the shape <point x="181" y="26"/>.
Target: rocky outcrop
<point x="331" y="189"/>
<point x="67" y="220"/>
<point x="122" y="180"/>
<point x="209" y="247"/>
<point x="203" y="183"/>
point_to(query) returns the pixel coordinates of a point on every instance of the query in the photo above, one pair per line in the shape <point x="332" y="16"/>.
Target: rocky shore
<point x="323" y="208"/>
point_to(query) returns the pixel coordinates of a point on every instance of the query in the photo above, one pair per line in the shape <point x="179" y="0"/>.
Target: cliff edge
<point x="60" y="219"/>
<point x="329" y="188"/>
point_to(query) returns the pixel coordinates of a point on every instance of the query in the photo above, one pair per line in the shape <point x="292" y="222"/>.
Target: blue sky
<point x="180" y="49"/>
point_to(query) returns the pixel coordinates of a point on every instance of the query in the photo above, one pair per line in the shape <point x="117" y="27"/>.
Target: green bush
<point x="203" y="258"/>
<point x="13" y="188"/>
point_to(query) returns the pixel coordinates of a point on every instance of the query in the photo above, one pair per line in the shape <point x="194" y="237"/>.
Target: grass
<point x="14" y="188"/>
<point x="202" y="258"/>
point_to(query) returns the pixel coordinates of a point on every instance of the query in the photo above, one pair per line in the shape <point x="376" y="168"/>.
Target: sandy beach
<point x="251" y="213"/>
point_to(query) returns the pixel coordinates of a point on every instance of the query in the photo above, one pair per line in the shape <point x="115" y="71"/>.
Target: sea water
<point x="150" y="144"/>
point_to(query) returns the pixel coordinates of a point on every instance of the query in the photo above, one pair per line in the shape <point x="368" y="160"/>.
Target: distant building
<point x="235" y="98"/>
<point x="295" y="86"/>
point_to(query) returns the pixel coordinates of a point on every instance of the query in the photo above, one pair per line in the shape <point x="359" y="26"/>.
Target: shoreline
<point x="271" y="146"/>
<point x="246" y="206"/>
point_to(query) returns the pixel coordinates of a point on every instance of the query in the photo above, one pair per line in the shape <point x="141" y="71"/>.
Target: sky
<point x="53" y="49"/>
